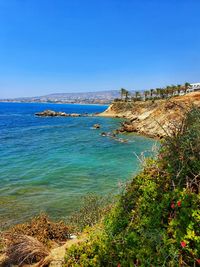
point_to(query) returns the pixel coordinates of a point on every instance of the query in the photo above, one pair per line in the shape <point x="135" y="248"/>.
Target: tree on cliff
<point x="186" y="86"/>
<point x="122" y="92"/>
<point x="127" y="94"/>
<point x="151" y="92"/>
<point x="178" y="88"/>
<point x="137" y="95"/>
<point x="146" y="94"/>
<point x="158" y="92"/>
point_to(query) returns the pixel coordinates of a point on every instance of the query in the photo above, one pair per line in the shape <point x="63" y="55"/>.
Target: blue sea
<point x="48" y="164"/>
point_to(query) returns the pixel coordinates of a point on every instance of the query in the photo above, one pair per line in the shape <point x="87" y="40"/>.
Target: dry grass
<point x="23" y="249"/>
<point x="42" y="228"/>
<point x="29" y="242"/>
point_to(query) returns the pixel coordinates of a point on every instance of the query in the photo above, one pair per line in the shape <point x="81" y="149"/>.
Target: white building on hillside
<point x="194" y="87"/>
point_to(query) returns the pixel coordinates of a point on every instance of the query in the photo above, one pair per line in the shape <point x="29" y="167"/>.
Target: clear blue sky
<point x="49" y="46"/>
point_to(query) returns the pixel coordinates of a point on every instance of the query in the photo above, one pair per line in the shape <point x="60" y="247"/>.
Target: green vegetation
<point x="93" y="208"/>
<point x="156" y="220"/>
<point x="124" y="94"/>
<point x="158" y="93"/>
<point x="32" y="241"/>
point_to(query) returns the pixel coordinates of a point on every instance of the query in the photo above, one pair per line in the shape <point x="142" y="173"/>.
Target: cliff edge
<point x="154" y="118"/>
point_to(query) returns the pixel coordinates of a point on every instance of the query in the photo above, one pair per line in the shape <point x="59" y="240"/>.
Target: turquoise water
<point x="48" y="164"/>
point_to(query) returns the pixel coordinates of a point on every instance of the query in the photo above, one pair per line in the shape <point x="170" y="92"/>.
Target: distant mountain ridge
<point x="101" y="97"/>
<point x="97" y="94"/>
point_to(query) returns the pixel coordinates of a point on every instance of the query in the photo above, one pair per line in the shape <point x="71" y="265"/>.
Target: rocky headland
<point x="154" y="118"/>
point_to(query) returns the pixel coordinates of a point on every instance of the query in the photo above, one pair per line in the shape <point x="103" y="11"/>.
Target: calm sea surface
<point x="48" y="164"/>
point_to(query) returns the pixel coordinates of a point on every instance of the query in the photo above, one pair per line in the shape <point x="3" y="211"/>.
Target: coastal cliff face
<point x="152" y="118"/>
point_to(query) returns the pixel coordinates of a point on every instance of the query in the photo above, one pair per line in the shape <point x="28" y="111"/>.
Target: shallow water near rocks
<point x="48" y="164"/>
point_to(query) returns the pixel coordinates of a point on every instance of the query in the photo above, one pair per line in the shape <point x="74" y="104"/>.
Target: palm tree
<point x="151" y="92"/>
<point x="158" y="92"/>
<point x="122" y="92"/>
<point x="163" y="92"/>
<point x="168" y="90"/>
<point x="186" y="86"/>
<point x="137" y="95"/>
<point x="146" y="93"/>
<point x="127" y="94"/>
<point x="178" y="87"/>
<point x="173" y="89"/>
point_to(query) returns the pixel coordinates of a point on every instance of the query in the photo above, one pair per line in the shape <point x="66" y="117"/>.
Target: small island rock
<point x="96" y="126"/>
<point x="74" y="115"/>
<point x="52" y="113"/>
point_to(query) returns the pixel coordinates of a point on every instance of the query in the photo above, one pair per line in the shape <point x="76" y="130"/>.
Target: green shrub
<point x="180" y="153"/>
<point x="156" y="221"/>
<point x="93" y="208"/>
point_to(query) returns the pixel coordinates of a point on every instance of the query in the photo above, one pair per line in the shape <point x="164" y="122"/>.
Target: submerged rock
<point x="46" y="113"/>
<point x="74" y="115"/>
<point x="113" y="136"/>
<point x="97" y="126"/>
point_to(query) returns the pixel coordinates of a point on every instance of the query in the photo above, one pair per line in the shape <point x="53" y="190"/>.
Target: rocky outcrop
<point x="152" y="118"/>
<point x="97" y="126"/>
<point x="74" y="115"/>
<point x="52" y="113"/>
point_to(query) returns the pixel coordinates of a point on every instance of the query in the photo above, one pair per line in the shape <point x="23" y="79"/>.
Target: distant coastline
<point x="99" y="97"/>
<point x="54" y="103"/>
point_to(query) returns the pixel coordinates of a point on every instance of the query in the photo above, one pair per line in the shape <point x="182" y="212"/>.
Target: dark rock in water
<point x="121" y="140"/>
<point x="62" y="114"/>
<point x="74" y="115"/>
<point x="113" y="136"/>
<point x="46" y="113"/>
<point x="97" y="126"/>
<point x="52" y="113"/>
<point x="115" y="132"/>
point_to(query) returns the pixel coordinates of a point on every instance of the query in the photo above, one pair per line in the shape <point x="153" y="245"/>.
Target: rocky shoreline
<point x="155" y="119"/>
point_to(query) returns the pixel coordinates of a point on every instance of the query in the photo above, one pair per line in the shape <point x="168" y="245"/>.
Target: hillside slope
<point x="152" y="118"/>
<point x="156" y="219"/>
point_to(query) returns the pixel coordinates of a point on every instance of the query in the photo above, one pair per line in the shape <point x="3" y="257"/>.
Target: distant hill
<point x="99" y="97"/>
<point x="86" y="95"/>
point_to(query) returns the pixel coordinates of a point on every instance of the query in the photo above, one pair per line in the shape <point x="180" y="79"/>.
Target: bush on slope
<point x="156" y="221"/>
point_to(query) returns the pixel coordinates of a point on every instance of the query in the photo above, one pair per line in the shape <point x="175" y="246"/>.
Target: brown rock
<point x="75" y="115"/>
<point x="97" y="126"/>
<point x="52" y="113"/>
<point x="156" y="119"/>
